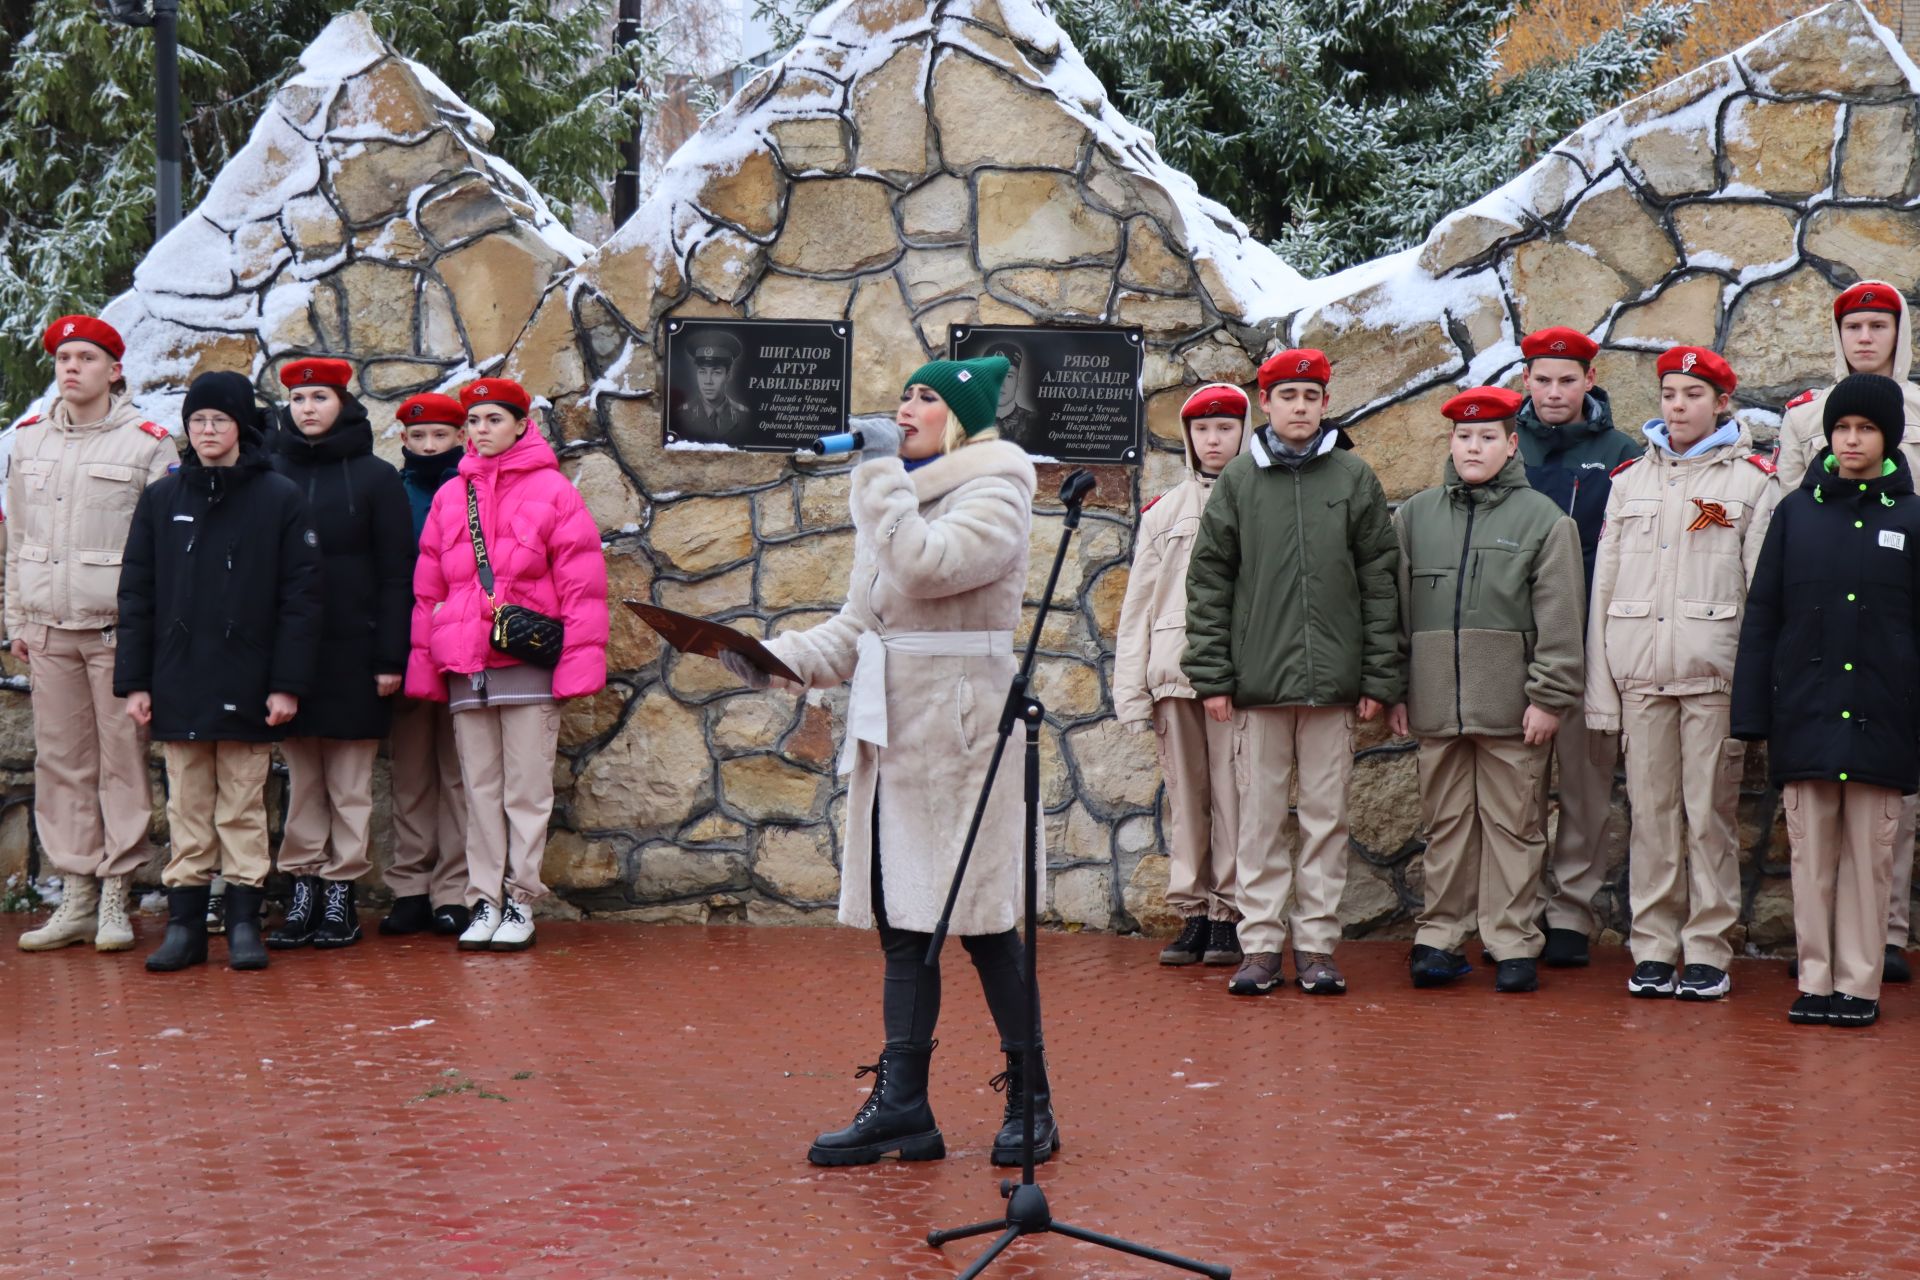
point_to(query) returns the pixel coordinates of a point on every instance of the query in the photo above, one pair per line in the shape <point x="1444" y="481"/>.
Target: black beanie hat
<point x="1872" y="397"/>
<point x="229" y="393"/>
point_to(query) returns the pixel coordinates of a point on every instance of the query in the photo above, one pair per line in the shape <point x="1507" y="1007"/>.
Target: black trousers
<point x="910" y="993"/>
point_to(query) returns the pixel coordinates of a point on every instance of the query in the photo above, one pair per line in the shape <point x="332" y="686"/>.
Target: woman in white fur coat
<point x="942" y="511"/>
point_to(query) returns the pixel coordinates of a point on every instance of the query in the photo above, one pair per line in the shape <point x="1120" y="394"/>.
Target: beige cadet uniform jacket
<point x="1670" y="577"/>
<point x="1803" y="431"/>
<point x="70" y="498"/>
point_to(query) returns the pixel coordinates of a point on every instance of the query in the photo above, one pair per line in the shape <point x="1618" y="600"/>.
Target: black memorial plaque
<point x="765" y="386"/>
<point x="1073" y="394"/>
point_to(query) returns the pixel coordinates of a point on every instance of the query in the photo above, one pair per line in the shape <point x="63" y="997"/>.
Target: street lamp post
<point x="164" y="17"/>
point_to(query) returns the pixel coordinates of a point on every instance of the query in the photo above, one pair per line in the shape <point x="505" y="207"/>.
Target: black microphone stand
<point x="1027" y="1212"/>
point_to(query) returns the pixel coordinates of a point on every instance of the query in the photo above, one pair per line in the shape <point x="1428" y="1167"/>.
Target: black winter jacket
<point x="219" y="599"/>
<point x="367" y="548"/>
<point x="1574" y="465"/>
<point x="1829" y="666"/>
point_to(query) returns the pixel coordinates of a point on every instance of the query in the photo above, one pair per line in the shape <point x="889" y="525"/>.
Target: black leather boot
<point x="1008" y="1143"/>
<point x="411" y="914"/>
<point x="339" y="922"/>
<point x="303" y="916"/>
<point x="186" y="940"/>
<point x="896" y="1116"/>
<point x="245" y="949"/>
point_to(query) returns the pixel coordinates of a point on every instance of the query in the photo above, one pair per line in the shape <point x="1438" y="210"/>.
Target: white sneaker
<point x="516" y="927"/>
<point x="483" y="925"/>
<point x="72" y="921"/>
<point x="115" y="931"/>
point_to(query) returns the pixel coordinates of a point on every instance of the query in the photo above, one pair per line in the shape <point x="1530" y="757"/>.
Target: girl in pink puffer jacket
<point x="544" y="548"/>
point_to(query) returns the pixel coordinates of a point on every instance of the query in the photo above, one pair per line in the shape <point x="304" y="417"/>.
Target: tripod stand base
<point x="1028" y="1215"/>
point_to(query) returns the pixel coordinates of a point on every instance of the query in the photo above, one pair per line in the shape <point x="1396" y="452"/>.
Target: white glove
<point x="743" y="671"/>
<point x="880" y="440"/>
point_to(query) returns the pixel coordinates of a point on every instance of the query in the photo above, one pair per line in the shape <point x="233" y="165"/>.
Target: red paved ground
<point x="658" y="1088"/>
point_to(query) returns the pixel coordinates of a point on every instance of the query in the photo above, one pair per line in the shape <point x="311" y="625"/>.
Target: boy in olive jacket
<point x="1491" y="596"/>
<point x="1291" y="632"/>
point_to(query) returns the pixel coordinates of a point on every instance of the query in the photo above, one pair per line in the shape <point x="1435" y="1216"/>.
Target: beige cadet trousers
<point x="92" y="799"/>
<point x="1842" y="837"/>
<point x="1576" y="862"/>
<point x="329" y="806"/>
<point x="217" y="812"/>
<point x="429" y="806"/>
<point x="506" y="762"/>
<point x="1275" y="747"/>
<point x="1683" y="873"/>
<point x="1486" y="843"/>
<point x="1203" y="807"/>
<point x="1900" y="895"/>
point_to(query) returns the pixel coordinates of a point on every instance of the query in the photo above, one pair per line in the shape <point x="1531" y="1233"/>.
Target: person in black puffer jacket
<point x="1828" y="675"/>
<point x="367" y="549"/>
<point x="219" y="606"/>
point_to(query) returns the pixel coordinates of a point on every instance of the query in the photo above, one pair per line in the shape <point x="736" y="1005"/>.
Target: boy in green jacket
<point x="1291" y="632"/>
<point x="1492" y="601"/>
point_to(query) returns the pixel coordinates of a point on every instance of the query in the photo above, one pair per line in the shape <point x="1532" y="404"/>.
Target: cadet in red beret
<point x="428" y="876"/>
<point x="78" y="470"/>
<point x="367" y="548"/>
<point x="1295" y="547"/>
<point x="1570" y="446"/>
<point x="1663" y="627"/>
<point x="1872" y="333"/>
<point x="1491" y="609"/>
<point x="1151" y="692"/>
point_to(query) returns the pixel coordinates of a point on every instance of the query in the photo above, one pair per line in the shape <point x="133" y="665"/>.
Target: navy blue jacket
<point x="1574" y="465"/>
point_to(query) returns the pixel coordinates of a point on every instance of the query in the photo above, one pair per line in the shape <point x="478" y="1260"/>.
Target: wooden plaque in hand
<point x="694" y="635"/>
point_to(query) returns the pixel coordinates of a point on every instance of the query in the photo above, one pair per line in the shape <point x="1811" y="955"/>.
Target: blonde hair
<point x="957" y="437"/>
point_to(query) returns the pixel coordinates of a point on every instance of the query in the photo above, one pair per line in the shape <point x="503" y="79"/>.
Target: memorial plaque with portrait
<point x="766" y="386"/>
<point x="1072" y="393"/>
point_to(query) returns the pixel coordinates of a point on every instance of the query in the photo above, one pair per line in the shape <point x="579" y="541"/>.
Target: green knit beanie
<point x="971" y="388"/>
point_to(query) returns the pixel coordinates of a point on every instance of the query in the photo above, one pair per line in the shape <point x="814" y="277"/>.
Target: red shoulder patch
<point x="27" y="422"/>
<point x="1763" y="462"/>
<point x="1802" y="398"/>
<point x="1623" y="466"/>
<point x="155" y="430"/>
<point x="1150" y="502"/>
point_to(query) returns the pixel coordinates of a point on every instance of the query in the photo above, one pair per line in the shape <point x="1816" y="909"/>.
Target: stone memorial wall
<point x="910" y="166"/>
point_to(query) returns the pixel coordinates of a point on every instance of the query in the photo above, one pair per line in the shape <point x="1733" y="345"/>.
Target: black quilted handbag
<point x="518" y="632"/>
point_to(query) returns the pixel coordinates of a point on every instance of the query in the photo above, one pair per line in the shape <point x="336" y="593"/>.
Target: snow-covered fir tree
<point x="1344" y="129"/>
<point x="77" y="131"/>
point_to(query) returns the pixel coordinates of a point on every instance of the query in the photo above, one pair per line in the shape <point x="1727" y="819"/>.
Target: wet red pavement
<point x="627" y="1101"/>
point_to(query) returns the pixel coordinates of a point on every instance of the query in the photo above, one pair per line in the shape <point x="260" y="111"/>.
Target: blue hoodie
<point x="1727" y="433"/>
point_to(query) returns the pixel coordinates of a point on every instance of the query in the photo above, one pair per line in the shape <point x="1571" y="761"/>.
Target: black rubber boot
<point x="303" y="916"/>
<point x="339" y="922"/>
<point x="896" y="1117"/>
<point x="1007" y="1144"/>
<point x="245" y="948"/>
<point x="452" y="920"/>
<point x="410" y="914"/>
<point x="186" y="940"/>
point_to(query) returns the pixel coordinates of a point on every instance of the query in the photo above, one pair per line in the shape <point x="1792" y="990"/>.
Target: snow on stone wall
<point x="909" y="166"/>
<point x="364" y="217"/>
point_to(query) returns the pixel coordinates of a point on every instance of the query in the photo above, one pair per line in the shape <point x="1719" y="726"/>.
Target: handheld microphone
<point x="835" y="445"/>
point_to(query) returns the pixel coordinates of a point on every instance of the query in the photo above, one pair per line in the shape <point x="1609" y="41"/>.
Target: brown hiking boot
<point x="1317" y="974"/>
<point x="1258" y="975"/>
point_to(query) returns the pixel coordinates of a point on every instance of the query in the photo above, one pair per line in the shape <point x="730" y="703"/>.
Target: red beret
<point x="316" y="371"/>
<point x="1215" y="400"/>
<point x="500" y="391"/>
<point x="1559" y="343"/>
<point x="1698" y="362"/>
<point x="431" y="406"/>
<point x="1483" y="404"/>
<point x="84" y="329"/>
<point x="1302" y="364"/>
<point x="1869" y="295"/>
